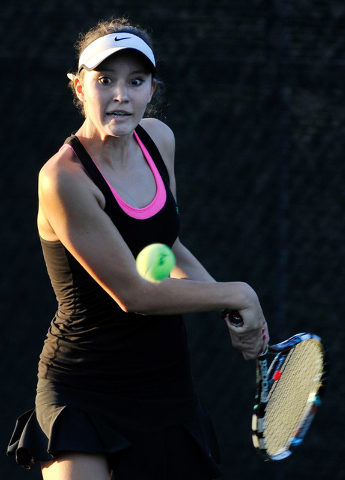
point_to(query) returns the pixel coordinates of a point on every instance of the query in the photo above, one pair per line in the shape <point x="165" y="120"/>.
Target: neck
<point x="106" y="149"/>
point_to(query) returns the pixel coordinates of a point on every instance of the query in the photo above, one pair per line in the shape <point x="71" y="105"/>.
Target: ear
<point x="153" y="89"/>
<point x="79" y="89"/>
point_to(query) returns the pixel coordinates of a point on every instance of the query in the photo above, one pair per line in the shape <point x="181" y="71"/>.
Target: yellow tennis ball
<point x="155" y="262"/>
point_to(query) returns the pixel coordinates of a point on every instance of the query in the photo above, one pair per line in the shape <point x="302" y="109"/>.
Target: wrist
<point x="242" y="296"/>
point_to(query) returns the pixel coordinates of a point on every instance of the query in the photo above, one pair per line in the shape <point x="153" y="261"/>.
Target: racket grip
<point x="234" y="316"/>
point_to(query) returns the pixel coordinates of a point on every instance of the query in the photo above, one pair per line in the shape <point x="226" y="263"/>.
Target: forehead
<point x="132" y="59"/>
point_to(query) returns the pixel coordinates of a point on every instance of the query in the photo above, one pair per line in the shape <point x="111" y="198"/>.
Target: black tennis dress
<point x="114" y="382"/>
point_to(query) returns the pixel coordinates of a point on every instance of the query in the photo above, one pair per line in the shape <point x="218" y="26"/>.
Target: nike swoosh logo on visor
<point x="123" y="38"/>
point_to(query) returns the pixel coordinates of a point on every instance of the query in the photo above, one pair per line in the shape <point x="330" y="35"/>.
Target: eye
<point x="104" y="80"/>
<point x="136" y="82"/>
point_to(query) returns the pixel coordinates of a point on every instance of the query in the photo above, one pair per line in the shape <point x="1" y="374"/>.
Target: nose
<point x="120" y="93"/>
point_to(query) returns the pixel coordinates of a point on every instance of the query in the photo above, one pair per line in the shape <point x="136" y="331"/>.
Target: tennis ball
<point x="155" y="262"/>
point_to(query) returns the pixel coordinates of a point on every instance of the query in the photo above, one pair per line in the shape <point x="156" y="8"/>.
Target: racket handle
<point x="234" y="316"/>
<point x="236" y="319"/>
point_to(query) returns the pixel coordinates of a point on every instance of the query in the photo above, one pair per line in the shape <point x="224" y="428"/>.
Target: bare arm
<point x="187" y="266"/>
<point x="251" y="336"/>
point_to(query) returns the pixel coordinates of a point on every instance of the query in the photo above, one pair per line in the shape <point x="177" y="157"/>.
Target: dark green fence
<point x="255" y="95"/>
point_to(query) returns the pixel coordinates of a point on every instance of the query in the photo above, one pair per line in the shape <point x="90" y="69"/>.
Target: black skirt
<point x="143" y="439"/>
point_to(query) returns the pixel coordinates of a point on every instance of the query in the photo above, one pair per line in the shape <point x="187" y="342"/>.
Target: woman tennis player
<point x="115" y="393"/>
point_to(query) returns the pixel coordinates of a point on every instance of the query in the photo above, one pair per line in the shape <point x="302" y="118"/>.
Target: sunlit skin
<point x="115" y="97"/>
<point x="121" y="84"/>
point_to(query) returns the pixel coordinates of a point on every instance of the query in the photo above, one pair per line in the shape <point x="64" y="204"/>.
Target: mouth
<point x="118" y="114"/>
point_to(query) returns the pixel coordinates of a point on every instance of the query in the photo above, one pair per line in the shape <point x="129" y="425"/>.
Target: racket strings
<point x="291" y="396"/>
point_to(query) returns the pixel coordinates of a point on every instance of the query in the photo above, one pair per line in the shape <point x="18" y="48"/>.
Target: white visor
<point x="103" y="47"/>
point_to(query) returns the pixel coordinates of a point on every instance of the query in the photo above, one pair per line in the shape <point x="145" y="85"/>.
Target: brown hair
<point x="106" y="27"/>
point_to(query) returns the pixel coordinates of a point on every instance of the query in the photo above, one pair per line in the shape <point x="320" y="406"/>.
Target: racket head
<point x="288" y="394"/>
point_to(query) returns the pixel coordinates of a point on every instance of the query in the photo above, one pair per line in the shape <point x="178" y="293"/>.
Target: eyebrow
<point x="134" y="72"/>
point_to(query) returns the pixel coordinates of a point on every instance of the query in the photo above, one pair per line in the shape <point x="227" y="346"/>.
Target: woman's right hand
<point x="251" y="336"/>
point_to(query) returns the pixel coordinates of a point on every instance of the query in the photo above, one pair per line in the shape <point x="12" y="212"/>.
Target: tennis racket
<point x="288" y="392"/>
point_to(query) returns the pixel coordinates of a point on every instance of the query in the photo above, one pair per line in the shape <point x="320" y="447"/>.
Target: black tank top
<point x="91" y="342"/>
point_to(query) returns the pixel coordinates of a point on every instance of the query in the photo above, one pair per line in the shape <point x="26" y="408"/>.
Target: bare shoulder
<point x="163" y="137"/>
<point x="61" y="170"/>
<point x="157" y="128"/>
<point x="63" y="176"/>
<point x="58" y="165"/>
<point x="66" y="194"/>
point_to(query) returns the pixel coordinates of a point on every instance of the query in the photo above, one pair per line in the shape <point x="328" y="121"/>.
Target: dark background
<point x="255" y="96"/>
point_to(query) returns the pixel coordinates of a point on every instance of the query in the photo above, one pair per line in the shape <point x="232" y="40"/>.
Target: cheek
<point x="91" y="93"/>
<point x="94" y="101"/>
<point x="145" y="99"/>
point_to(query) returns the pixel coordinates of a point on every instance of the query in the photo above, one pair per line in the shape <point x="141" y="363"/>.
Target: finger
<point x="251" y="346"/>
<point x="265" y="337"/>
<point x="249" y="356"/>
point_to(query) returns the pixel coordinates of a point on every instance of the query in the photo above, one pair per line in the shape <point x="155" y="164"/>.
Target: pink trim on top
<point x="69" y="146"/>
<point x="160" y="198"/>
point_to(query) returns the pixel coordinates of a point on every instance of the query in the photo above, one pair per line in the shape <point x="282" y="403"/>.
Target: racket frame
<point x="264" y="384"/>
